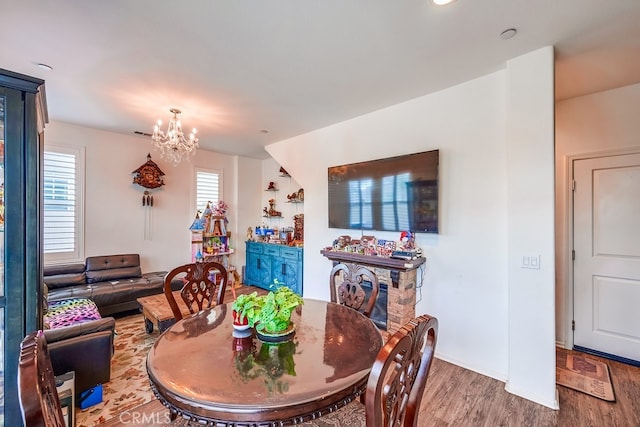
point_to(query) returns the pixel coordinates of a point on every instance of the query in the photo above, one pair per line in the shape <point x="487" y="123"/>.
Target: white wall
<point x="530" y="159"/>
<point x="466" y="277"/>
<point x="601" y="122"/>
<point x="249" y="203"/>
<point x="115" y="217"/>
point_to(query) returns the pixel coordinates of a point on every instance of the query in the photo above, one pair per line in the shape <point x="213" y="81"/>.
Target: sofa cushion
<point x="61" y="276"/>
<point x="53" y="270"/>
<point x="107" y="262"/>
<point x="113" y="274"/>
<point x="112" y="267"/>
<point x="117" y="292"/>
<point x="70" y="312"/>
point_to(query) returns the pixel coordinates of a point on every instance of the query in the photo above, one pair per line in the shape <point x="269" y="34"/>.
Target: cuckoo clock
<point x="148" y="175"/>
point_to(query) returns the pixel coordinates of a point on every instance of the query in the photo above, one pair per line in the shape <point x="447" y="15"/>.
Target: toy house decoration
<point x="197" y="228"/>
<point x="214" y="235"/>
<point x="210" y="238"/>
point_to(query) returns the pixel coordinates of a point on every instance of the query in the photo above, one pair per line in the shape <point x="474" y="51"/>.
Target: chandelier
<point x="172" y="144"/>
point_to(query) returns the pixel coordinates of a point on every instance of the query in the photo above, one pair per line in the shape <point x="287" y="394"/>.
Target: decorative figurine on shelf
<point x="407" y="240"/>
<point x="272" y="186"/>
<point x="249" y="234"/>
<point x="296" y="196"/>
<point x="271" y="211"/>
<point x="298" y="229"/>
<point x="283" y="172"/>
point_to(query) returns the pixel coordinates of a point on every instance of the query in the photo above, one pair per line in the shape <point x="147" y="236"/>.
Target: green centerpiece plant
<point x="270" y="313"/>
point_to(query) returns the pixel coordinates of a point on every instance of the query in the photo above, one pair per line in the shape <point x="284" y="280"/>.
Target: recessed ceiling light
<point x="45" y="66"/>
<point x="508" y="33"/>
<point x="441" y="2"/>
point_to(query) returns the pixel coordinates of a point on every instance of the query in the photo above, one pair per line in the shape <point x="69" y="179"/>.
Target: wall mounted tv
<point x="393" y="194"/>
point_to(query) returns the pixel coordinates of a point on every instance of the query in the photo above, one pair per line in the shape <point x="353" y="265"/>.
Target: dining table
<point x="205" y="370"/>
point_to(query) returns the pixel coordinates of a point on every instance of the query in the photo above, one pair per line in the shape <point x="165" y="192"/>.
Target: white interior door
<point x="607" y="254"/>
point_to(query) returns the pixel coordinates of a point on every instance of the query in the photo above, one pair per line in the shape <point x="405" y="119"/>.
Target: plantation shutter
<point x="60" y="208"/>
<point x="207" y="189"/>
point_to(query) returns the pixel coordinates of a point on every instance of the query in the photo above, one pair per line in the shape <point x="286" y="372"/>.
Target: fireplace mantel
<point x="395" y="266"/>
<point x="374" y="261"/>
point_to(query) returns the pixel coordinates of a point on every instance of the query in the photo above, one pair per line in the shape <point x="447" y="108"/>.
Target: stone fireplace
<point x="398" y="277"/>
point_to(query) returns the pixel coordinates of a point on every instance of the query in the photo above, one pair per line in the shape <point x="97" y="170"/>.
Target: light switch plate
<point x="531" y="262"/>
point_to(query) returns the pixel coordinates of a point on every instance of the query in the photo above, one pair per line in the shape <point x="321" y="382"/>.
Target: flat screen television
<point x="393" y="194"/>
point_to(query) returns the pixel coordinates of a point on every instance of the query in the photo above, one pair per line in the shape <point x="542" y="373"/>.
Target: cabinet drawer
<point x="254" y="248"/>
<point x="291" y="253"/>
<point x="272" y="250"/>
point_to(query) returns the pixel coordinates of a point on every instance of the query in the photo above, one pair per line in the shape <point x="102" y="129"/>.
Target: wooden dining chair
<point x="399" y="375"/>
<point x="397" y="380"/>
<point x="204" y="286"/>
<point x="350" y="291"/>
<point x="37" y="393"/>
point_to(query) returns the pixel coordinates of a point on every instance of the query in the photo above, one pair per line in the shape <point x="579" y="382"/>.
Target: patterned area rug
<point x="584" y="374"/>
<point x="129" y="385"/>
<point x="153" y="414"/>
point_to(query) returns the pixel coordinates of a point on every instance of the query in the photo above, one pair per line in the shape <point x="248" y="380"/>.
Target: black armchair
<point x="85" y="348"/>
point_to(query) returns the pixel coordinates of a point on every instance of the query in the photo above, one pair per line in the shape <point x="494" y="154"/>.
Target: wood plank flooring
<point x="459" y="397"/>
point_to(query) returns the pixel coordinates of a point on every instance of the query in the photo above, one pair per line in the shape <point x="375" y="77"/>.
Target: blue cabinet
<point x="266" y="262"/>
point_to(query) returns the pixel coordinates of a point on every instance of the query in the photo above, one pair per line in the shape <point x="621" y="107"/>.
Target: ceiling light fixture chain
<point x="173" y="145"/>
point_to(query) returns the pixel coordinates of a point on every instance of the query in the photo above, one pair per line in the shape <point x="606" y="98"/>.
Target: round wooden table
<point x="201" y="371"/>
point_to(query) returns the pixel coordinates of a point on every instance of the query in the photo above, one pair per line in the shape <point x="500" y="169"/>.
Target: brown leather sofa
<point x="113" y="282"/>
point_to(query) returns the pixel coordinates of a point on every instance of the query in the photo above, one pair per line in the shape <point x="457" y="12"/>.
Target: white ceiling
<point x="238" y="67"/>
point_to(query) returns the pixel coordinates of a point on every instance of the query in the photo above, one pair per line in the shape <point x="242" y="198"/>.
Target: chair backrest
<point x="399" y="374"/>
<point x="39" y="402"/>
<point x="204" y="285"/>
<point x="350" y="292"/>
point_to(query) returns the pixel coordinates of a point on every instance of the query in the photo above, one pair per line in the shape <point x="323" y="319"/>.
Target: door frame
<point x="566" y="262"/>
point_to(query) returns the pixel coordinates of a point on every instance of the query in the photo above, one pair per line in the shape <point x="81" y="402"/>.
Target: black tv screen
<point x="393" y="194"/>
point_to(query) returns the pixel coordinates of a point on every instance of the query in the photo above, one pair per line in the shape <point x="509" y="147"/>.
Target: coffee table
<point x="157" y="312"/>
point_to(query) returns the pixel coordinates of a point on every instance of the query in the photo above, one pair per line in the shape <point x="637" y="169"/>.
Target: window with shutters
<point x="63" y="204"/>
<point x="208" y="188"/>
<point x="360" y="203"/>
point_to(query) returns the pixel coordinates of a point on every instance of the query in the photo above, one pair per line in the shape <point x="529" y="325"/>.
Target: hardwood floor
<point x="458" y="397"/>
